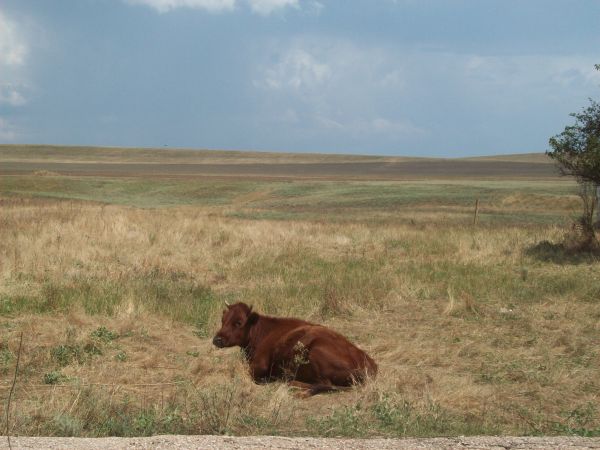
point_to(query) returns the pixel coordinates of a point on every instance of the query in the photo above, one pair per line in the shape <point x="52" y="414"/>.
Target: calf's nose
<point x="218" y="341"/>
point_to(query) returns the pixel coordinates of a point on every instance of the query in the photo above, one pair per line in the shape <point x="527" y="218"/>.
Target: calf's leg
<point x="260" y="370"/>
<point x="308" y="390"/>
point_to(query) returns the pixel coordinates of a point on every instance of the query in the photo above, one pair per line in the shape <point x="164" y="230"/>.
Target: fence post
<point x="476" y="212"/>
<point x="598" y="203"/>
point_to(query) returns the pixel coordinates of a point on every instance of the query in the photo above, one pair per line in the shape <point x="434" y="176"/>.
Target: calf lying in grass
<point x="311" y="357"/>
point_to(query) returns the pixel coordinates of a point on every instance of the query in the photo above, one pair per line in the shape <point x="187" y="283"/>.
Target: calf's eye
<point x="237" y="324"/>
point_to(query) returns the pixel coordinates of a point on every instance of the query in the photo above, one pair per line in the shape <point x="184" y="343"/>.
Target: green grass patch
<point x="138" y="192"/>
<point x="182" y="300"/>
<point x="314" y="284"/>
<point x="535" y="202"/>
<point x="496" y="282"/>
<point x="396" y="417"/>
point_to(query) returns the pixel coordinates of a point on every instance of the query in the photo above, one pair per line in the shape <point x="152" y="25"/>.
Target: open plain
<point x="115" y="265"/>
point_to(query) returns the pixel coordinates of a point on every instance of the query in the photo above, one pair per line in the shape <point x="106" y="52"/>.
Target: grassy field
<point x="117" y="285"/>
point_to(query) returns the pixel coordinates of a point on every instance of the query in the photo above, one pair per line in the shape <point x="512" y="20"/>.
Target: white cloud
<point x="11" y="95"/>
<point x="12" y="47"/>
<point x="297" y="70"/>
<point x="531" y="70"/>
<point x="13" y="57"/>
<point x="337" y="87"/>
<point x="262" y="7"/>
<point x="163" y="6"/>
<point x="572" y="71"/>
<point x="334" y="65"/>
<point x="364" y="127"/>
<point x="313" y="7"/>
<point x="14" y="51"/>
<point x="356" y="93"/>
<point x="266" y="7"/>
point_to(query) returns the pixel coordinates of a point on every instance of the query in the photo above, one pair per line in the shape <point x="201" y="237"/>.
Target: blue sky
<point x="391" y="77"/>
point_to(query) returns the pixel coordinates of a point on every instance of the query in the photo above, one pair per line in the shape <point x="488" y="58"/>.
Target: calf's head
<point x="235" y="326"/>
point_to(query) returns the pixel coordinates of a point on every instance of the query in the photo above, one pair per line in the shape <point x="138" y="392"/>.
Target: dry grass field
<point x="117" y="284"/>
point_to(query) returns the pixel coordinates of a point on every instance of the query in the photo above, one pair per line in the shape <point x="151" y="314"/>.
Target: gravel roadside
<point x="272" y="442"/>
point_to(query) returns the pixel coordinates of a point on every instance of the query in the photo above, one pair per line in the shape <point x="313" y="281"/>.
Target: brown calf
<point x="305" y="355"/>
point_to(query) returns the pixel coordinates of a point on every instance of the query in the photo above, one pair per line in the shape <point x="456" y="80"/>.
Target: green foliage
<point x="64" y="355"/>
<point x="92" y="349"/>
<point x="577" y="422"/>
<point x="392" y="414"/>
<point x="120" y="420"/>
<point x="255" y="422"/>
<point x="103" y="334"/>
<point x="67" y="425"/>
<point x="54" y="377"/>
<point x="577" y="149"/>
<point x="346" y="421"/>
<point x="217" y="408"/>
<point x="6" y="358"/>
<point x="395" y="416"/>
<point x="577" y="152"/>
<point x="398" y="417"/>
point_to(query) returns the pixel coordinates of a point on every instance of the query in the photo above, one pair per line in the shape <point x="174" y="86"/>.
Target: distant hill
<point x="70" y="154"/>
<point x="134" y="162"/>
<point x="540" y="158"/>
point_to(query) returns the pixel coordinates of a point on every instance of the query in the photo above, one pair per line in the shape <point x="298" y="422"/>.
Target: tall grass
<point x="473" y="332"/>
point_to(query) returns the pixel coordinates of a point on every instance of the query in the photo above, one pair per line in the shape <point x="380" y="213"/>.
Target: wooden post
<point x="12" y="388"/>
<point x="598" y="203"/>
<point x="476" y="211"/>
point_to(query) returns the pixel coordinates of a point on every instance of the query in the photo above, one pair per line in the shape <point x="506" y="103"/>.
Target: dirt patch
<point x="271" y="442"/>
